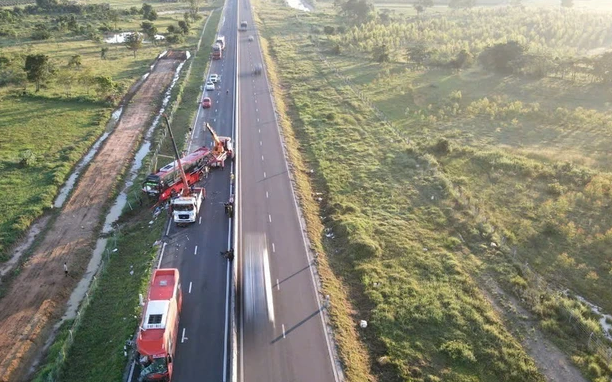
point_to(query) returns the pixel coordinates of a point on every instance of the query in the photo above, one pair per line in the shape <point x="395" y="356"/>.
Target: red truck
<point x="157" y="336"/>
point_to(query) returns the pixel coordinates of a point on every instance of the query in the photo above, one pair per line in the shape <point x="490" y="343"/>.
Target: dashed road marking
<point x="190" y="287"/>
<point x="195" y="251"/>
<point x="273" y="248"/>
<point x="270" y="218"/>
<point x="283" y="330"/>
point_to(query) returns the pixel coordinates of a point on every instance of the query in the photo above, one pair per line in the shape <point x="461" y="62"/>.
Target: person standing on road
<point x="66" y="269"/>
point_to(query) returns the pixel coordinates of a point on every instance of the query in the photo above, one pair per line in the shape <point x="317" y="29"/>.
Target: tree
<point x="194" y="6"/>
<point x="150" y="30"/>
<point x="114" y="17"/>
<point x="516" y="3"/>
<point x="184" y="26"/>
<point x="152" y="16"/>
<point x="66" y="78"/>
<point x="145" y="10"/>
<point x="328" y="29"/>
<point x="133" y="42"/>
<point x="567" y="3"/>
<point x="421" y="5"/>
<point x="357" y="10"/>
<point x="381" y="54"/>
<point x="602" y="67"/>
<point x="463" y="59"/>
<point x="106" y="88"/>
<point x="75" y="62"/>
<point x="11" y="71"/>
<point x="418" y="54"/>
<point x="38" y="68"/>
<point x="462" y="3"/>
<point x="501" y="57"/>
<point x="103" y="52"/>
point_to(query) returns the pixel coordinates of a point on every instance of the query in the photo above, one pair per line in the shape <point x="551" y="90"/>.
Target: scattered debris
<point x="363" y="324"/>
<point x="425" y="249"/>
<point x="493" y="244"/>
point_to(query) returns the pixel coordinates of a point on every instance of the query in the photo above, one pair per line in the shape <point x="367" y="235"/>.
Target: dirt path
<point x="551" y="361"/>
<point x="36" y="298"/>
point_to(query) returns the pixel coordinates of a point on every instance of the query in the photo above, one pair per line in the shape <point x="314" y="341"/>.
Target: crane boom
<point x="178" y="158"/>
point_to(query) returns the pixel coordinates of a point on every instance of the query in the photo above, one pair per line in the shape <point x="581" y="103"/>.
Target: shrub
<point x="458" y="351"/>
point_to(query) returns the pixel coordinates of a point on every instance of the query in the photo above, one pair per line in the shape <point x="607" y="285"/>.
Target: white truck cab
<point x="185" y="209"/>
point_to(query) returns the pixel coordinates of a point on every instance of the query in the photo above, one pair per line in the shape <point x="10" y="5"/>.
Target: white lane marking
<point x="161" y="256"/>
<point x="262" y="158"/>
<point x="284" y="331"/>
<point x="267" y="195"/>
<point x="200" y="221"/>
<point x="259" y="130"/>
<point x="260" y="143"/>
<point x="183" y="337"/>
<point x="273" y="248"/>
<point x="257" y="121"/>
<point x="195" y="251"/>
<point x="255" y="101"/>
<point x="216" y="110"/>
<point x="264" y="174"/>
<point x="277" y="285"/>
<point x="257" y="110"/>
<point x="190" y="287"/>
<point x="268" y="283"/>
<point x="270" y="218"/>
<point x="168" y="230"/>
<point x="131" y="371"/>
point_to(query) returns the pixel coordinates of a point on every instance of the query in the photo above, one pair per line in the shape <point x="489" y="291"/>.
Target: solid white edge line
<point x="131" y="371"/>
<point x="161" y="256"/>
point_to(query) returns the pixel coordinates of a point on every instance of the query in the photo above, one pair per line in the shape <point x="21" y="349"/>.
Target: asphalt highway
<point x="281" y="330"/>
<point x="195" y="249"/>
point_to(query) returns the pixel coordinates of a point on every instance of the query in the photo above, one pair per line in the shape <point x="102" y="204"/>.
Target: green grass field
<point x="58" y="123"/>
<point x="59" y="134"/>
<point x="472" y="159"/>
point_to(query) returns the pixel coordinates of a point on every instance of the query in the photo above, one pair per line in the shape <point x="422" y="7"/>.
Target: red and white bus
<point x="167" y="180"/>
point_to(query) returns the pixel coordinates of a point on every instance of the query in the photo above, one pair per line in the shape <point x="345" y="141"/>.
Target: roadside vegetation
<point x="59" y="80"/>
<point x="113" y="313"/>
<point x="447" y="151"/>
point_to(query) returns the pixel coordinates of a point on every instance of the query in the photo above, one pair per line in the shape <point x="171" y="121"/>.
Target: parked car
<point x="214" y="78"/>
<point x="206" y="102"/>
<point x="209" y="86"/>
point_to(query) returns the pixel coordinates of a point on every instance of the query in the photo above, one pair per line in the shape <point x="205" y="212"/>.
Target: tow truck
<point x="186" y="205"/>
<point x="221" y="150"/>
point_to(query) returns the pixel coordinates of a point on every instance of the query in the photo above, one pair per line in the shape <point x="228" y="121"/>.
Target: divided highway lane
<point x="195" y="250"/>
<point x="284" y="340"/>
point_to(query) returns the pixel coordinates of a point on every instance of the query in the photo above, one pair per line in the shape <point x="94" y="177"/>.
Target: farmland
<point x="84" y="78"/>
<point x="439" y="173"/>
